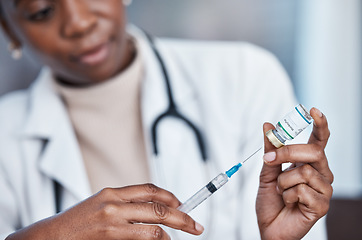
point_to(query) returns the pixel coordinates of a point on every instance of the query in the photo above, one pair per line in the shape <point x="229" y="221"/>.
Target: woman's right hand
<point x="114" y="213"/>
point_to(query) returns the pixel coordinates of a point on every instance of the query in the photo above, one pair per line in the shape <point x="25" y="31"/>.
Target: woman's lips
<point x="95" y="56"/>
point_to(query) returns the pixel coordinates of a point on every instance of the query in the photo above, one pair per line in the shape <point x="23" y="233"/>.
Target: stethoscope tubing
<point x="172" y="110"/>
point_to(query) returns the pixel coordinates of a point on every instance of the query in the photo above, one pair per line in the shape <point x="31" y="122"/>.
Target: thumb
<point x="269" y="173"/>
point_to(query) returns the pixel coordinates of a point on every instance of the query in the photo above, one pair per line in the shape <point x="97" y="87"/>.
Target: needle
<point x="252" y="155"/>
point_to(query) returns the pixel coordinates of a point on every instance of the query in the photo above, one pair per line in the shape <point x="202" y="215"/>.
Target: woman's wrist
<point x="44" y="229"/>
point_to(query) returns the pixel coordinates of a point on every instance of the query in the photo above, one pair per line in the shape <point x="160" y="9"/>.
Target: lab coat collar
<point x="42" y="102"/>
<point x="48" y="122"/>
<point x="154" y="96"/>
<point x="154" y="90"/>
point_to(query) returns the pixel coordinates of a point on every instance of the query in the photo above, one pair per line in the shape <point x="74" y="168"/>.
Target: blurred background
<point x="318" y="42"/>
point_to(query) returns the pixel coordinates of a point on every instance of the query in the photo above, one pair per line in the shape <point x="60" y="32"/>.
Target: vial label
<point x="294" y="123"/>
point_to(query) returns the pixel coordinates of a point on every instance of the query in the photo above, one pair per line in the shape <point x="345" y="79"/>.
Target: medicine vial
<point x="289" y="126"/>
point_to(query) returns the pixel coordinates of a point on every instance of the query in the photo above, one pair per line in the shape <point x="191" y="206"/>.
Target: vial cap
<point x="273" y="139"/>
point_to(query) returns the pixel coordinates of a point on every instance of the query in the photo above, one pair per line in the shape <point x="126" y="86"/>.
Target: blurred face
<point x="83" y="41"/>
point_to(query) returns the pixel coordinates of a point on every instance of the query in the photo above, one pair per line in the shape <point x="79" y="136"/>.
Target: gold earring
<point x="16" y="51"/>
<point x="127" y="2"/>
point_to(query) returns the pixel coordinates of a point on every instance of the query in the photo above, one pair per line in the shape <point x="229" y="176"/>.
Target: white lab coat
<point x="227" y="90"/>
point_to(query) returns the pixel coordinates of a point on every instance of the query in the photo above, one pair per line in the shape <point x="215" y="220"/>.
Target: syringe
<point x="215" y="184"/>
<point x="287" y="129"/>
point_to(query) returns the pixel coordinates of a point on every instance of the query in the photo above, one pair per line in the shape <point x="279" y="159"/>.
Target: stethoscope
<point x="171" y="111"/>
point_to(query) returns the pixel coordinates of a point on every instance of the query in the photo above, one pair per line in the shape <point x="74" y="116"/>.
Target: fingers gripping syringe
<point x="287" y="129"/>
<point x="215" y="184"/>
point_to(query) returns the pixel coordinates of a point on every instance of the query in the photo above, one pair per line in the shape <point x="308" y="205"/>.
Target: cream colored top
<point x="107" y="121"/>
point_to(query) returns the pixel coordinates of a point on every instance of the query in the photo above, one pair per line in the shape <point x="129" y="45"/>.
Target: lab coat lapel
<point x="179" y="154"/>
<point x="48" y="121"/>
<point x="154" y="103"/>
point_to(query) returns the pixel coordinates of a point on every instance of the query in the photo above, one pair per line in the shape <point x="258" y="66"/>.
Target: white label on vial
<point x="293" y="124"/>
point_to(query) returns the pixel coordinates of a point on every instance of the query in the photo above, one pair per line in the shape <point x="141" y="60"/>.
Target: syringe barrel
<point x="204" y="193"/>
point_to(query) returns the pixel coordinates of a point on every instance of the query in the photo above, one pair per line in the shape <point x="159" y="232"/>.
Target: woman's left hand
<point x="290" y="202"/>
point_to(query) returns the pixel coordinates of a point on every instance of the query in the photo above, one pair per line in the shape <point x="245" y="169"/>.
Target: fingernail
<point x="320" y="114"/>
<point x="278" y="190"/>
<point x="269" y="157"/>
<point x="199" y="227"/>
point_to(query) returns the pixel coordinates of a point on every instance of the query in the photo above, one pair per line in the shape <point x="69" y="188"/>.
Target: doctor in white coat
<point x="226" y="90"/>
